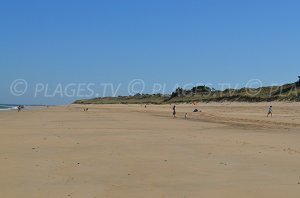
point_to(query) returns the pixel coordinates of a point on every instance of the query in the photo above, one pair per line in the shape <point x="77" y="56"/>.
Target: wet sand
<point x="227" y="150"/>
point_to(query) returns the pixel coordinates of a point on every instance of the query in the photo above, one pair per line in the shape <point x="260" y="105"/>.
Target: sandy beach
<point x="227" y="150"/>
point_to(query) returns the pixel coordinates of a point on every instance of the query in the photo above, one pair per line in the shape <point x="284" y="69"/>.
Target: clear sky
<point x="171" y="42"/>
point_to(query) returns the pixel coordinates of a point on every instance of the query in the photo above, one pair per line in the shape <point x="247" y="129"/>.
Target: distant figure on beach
<point x="270" y="111"/>
<point x="145" y="106"/>
<point x="186" y="115"/>
<point x="19" y="108"/>
<point x="174" y="111"/>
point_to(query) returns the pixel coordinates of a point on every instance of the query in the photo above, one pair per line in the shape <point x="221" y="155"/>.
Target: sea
<point x="4" y="107"/>
<point x="7" y="107"/>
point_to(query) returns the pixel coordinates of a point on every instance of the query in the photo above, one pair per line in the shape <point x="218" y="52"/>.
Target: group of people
<point x="174" y="112"/>
<point x="20" y="107"/>
<point x="270" y="112"/>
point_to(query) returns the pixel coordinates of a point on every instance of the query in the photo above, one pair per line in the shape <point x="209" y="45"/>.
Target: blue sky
<point x="170" y="42"/>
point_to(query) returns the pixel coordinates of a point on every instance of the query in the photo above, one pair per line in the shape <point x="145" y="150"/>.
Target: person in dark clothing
<point x="174" y="111"/>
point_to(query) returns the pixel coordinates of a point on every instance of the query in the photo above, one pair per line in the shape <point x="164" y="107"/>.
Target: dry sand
<point x="228" y="150"/>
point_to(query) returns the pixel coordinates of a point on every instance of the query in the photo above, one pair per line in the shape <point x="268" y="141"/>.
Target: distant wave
<point x="4" y="107"/>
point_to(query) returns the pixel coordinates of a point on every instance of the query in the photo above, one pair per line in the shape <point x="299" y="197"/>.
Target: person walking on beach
<point x="174" y="111"/>
<point x="19" y="108"/>
<point x="270" y="111"/>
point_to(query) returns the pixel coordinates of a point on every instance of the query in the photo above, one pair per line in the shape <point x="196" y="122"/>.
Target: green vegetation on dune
<point x="136" y="99"/>
<point x="287" y="92"/>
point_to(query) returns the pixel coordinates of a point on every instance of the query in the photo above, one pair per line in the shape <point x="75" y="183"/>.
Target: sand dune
<point x="227" y="150"/>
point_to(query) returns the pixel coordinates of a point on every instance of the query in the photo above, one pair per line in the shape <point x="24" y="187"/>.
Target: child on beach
<point x="270" y="111"/>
